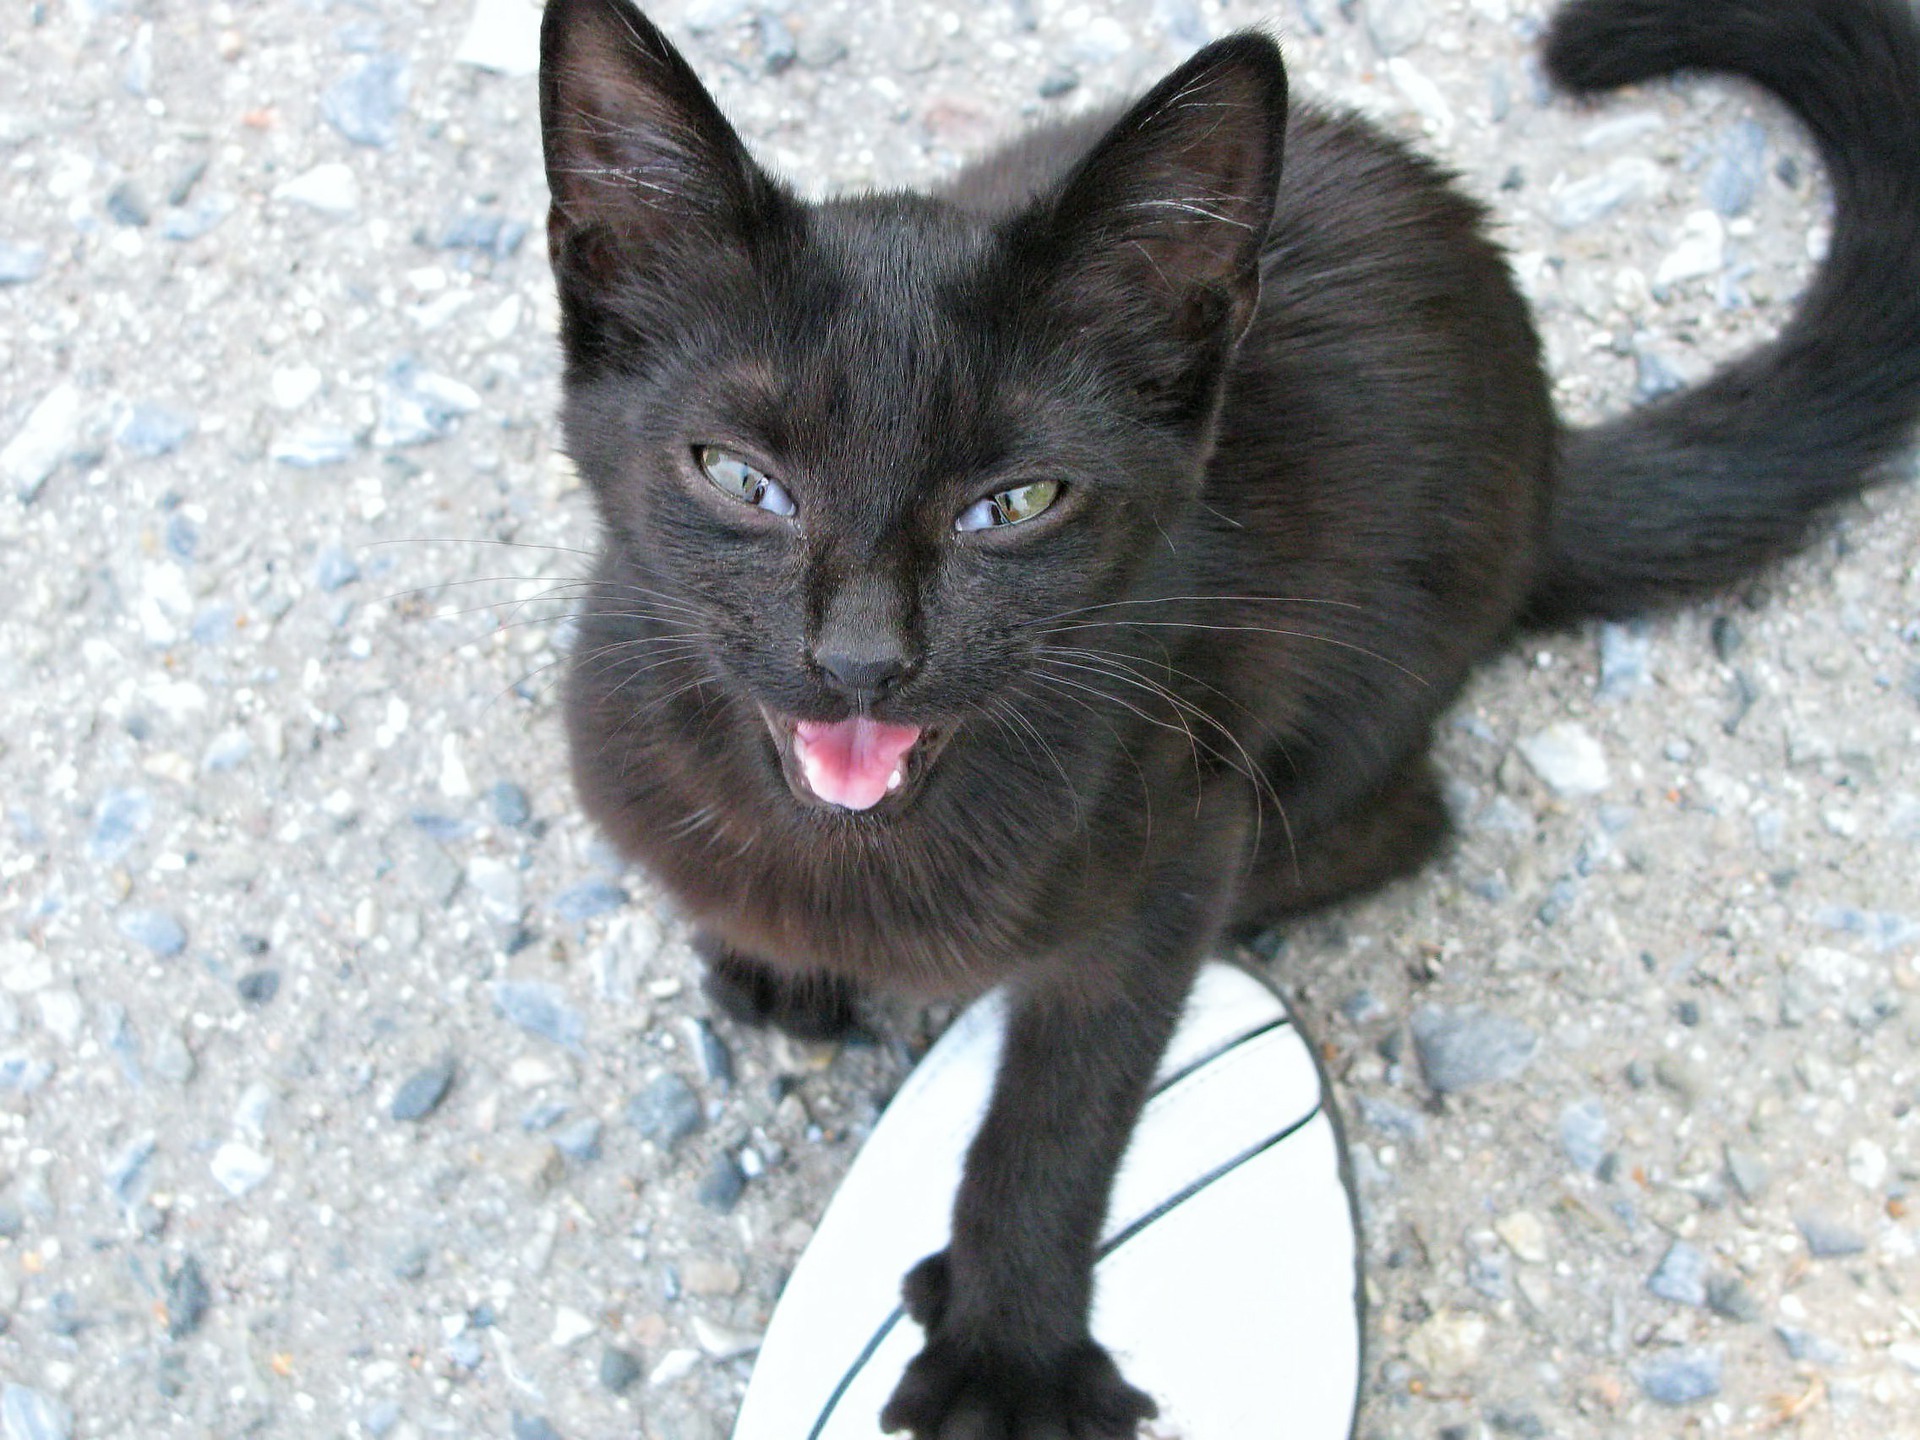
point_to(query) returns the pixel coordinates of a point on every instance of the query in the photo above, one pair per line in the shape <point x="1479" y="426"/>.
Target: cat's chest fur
<point x="1298" y="620"/>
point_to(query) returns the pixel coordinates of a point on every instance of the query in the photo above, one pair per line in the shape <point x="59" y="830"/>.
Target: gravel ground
<point x="348" y="1087"/>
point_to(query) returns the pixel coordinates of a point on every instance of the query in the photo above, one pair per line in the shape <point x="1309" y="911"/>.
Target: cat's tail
<point x="1688" y="494"/>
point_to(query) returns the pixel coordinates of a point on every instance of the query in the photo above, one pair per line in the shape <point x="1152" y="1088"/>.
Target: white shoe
<point x="1227" y="1285"/>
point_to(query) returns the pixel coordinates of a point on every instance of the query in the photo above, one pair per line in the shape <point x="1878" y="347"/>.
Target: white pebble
<point x="1568" y="758"/>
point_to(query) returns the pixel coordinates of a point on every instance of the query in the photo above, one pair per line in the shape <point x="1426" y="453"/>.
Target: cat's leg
<point x="808" y="1006"/>
<point x="1392" y="832"/>
<point x="1008" y="1352"/>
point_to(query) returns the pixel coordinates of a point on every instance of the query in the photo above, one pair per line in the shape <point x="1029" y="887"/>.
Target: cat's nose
<point x="866" y="670"/>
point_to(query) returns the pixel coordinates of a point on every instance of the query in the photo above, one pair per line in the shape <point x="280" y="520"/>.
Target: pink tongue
<point x="849" y="762"/>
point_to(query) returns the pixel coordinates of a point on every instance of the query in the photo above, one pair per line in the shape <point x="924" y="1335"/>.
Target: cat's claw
<point x="964" y="1388"/>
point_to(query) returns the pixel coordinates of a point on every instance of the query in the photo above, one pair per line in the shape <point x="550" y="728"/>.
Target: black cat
<point x="1031" y="582"/>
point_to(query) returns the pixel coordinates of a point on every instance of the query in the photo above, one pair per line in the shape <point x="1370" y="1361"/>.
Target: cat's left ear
<point x="1175" y="200"/>
<point x="640" y="161"/>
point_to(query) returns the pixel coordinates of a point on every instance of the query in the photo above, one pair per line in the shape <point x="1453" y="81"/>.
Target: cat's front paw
<point x="962" y="1388"/>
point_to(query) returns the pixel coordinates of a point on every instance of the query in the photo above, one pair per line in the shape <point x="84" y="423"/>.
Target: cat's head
<point x="864" y="452"/>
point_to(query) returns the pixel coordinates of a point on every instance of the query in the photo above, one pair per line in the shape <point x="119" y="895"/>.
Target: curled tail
<point x="1689" y="494"/>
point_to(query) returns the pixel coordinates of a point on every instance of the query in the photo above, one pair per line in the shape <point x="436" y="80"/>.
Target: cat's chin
<point x="908" y="755"/>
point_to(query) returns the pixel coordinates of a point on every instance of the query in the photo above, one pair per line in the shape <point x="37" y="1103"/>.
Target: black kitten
<point x="1033" y="581"/>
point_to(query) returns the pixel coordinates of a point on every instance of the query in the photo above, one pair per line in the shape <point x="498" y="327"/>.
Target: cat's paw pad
<point x="957" y="1391"/>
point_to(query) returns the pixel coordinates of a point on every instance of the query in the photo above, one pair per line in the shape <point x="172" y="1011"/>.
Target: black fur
<point x="1311" y="476"/>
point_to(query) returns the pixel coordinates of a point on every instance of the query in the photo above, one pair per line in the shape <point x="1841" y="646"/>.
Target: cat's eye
<point x="1010" y="507"/>
<point x="740" y="481"/>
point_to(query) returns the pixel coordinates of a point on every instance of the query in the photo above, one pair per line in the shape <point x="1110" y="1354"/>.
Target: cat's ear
<point x="639" y="158"/>
<point x="1174" y="201"/>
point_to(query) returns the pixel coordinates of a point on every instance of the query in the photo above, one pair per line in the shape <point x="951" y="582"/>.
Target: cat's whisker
<point x="1182" y="728"/>
<point x="1008" y="716"/>
<point x="482" y="540"/>
<point x="1253" y="629"/>
<point x="1254" y="773"/>
<point x="1127" y="663"/>
<point x="1196" y="600"/>
<point x="1055" y="683"/>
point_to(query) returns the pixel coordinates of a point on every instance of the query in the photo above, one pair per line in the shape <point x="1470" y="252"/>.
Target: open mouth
<point x="852" y="764"/>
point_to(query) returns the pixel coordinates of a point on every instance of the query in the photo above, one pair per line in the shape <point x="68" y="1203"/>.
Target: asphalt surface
<point x="348" y="1087"/>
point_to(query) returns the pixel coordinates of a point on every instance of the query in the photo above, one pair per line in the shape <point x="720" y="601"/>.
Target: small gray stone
<point x="1738" y="169"/>
<point x="119" y="820"/>
<point x="1656" y="375"/>
<point x="465" y="1351"/>
<point x="43" y="442"/>
<point x="1681" y="1276"/>
<point x="1182" y="21"/>
<point x="1827" y="1239"/>
<point x="1583" y="1134"/>
<point x="258" y="987"/>
<point x="666" y="1112"/>
<point x="778" y="49"/>
<point x="1805" y="1345"/>
<point x="510" y="805"/>
<point x="1523" y="1423"/>
<point x="21" y="264"/>
<point x="312" y="448"/>
<point x="579" y="1139"/>
<point x="27" y="1414"/>
<point x="1592" y="199"/>
<point x="1883" y="929"/>
<point x="183" y="536"/>
<point x="716" y="1061"/>
<point x="588" y="899"/>
<point x="154" y="430"/>
<point x="725" y="1181"/>
<point x="366" y="103"/>
<point x="230" y="748"/>
<point x="1391" y="1119"/>
<point x="533" y="1427"/>
<point x="1568" y="758"/>
<point x="1395" y="26"/>
<point x="171" y="1060"/>
<point x="420" y="1093"/>
<point x="418" y="406"/>
<point x="1469" y="1046"/>
<point x="1058" y="81"/>
<point x="1729" y="1297"/>
<point x="619" y="1369"/>
<point x="156" y="930"/>
<point x="444" y="828"/>
<point x="190" y="222"/>
<point x="410" y="1261"/>
<point x="125" y="1172"/>
<point x="239" y="1168"/>
<point x="125" y="206"/>
<point x="188" y="1299"/>
<point x="188" y="175"/>
<point x="1682" y="1378"/>
<point x="1626" y="658"/>
<point x="540" y="1009"/>
<point x="496" y="883"/>
<point x="22" y="1074"/>
<point x="330" y="188"/>
<point x="335" y="567"/>
<point x="486" y="232"/>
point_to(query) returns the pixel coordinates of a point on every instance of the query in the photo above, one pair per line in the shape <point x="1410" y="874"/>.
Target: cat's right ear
<point x="1172" y="206"/>
<point x="639" y="159"/>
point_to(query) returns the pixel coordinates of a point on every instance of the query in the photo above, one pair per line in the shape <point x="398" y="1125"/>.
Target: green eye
<point x="740" y="481"/>
<point x="1010" y="507"/>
